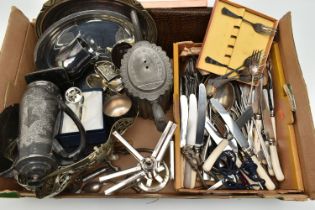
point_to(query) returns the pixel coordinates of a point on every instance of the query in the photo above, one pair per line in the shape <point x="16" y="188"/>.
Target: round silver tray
<point x="54" y="10"/>
<point x="100" y="30"/>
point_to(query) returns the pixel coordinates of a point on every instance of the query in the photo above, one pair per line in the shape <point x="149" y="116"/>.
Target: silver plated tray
<point x="54" y="10"/>
<point x="97" y="31"/>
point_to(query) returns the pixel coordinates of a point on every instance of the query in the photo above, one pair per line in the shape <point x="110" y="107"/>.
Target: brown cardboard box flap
<point x="16" y="58"/>
<point x="304" y="127"/>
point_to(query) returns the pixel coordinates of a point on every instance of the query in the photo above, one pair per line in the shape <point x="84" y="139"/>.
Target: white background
<point x="304" y="34"/>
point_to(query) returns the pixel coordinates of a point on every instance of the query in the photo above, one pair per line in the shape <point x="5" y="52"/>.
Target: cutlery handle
<point x="184" y="119"/>
<point x="129" y="171"/>
<point x="190" y="176"/>
<point x="258" y="124"/>
<point x="263" y="174"/>
<point x="273" y="122"/>
<point x="130" y="148"/>
<point x="227" y="12"/>
<point x="276" y="163"/>
<point x="251" y="182"/>
<point x="172" y="160"/>
<point x="208" y="164"/>
<point x="124" y="183"/>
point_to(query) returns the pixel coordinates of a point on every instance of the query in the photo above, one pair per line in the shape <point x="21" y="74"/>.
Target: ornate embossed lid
<point x="146" y="71"/>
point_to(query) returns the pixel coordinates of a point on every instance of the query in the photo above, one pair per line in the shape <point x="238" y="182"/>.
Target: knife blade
<point x="231" y="124"/>
<point x="223" y="144"/>
<point x="267" y="124"/>
<point x="201" y="120"/>
<point x="239" y="137"/>
<point x="271" y="103"/>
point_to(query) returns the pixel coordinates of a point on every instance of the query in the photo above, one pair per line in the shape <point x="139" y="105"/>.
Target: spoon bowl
<point x="226" y="95"/>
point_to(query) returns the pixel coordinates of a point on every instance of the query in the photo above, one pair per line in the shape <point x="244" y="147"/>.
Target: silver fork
<point x="258" y="27"/>
<point x="254" y="70"/>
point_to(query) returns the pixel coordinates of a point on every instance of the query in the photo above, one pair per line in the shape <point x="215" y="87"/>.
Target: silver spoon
<point x="226" y="95"/>
<point x="92" y="187"/>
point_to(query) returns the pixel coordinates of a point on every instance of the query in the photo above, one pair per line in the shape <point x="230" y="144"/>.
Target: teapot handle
<point x="159" y="116"/>
<point x="78" y="152"/>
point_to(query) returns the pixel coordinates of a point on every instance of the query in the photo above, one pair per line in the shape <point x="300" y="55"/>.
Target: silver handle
<point x="132" y="150"/>
<point x="124" y="183"/>
<point x="119" y="174"/>
<point x="165" y="145"/>
<point x="172" y="160"/>
<point x="258" y="125"/>
<point x="161" y="140"/>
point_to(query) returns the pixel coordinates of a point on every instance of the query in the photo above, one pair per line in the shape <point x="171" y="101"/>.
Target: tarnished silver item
<point x="151" y="173"/>
<point x="54" y="10"/>
<point x="96" y="81"/>
<point x="107" y="70"/>
<point x="38" y="111"/>
<point x="57" y="181"/>
<point x="147" y="75"/>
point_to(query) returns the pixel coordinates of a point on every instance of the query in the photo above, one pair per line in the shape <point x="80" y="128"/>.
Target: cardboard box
<point x="16" y="60"/>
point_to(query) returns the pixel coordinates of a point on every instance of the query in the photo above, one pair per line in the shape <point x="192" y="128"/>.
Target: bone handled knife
<point x="183" y="127"/>
<point x="241" y="140"/>
<point x="268" y="130"/>
<point x="257" y="107"/>
<point x="223" y="143"/>
<point x="183" y="119"/>
<point x="190" y="174"/>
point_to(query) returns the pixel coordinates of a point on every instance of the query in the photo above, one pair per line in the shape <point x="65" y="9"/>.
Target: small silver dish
<point x="96" y="81"/>
<point x="117" y="105"/>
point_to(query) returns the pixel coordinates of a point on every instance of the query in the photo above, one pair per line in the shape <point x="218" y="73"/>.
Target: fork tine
<point x="253" y="57"/>
<point x="256" y="56"/>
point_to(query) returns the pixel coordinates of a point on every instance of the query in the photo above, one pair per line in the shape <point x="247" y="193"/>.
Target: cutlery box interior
<point x="230" y="40"/>
<point x="177" y="25"/>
